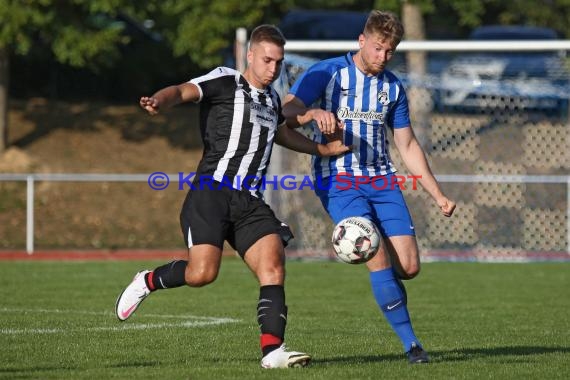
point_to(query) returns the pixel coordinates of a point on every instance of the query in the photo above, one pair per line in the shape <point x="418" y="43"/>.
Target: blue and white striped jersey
<point x="366" y="104"/>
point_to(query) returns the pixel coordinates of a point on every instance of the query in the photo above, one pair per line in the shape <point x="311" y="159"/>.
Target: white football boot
<point x="281" y="358"/>
<point x="130" y="299"/>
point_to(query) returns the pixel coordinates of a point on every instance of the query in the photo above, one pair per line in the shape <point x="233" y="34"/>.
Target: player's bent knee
<point x="199" y="282"/>
<point x="271" y="276"/>
<point x="410" y="270"/>
<point x="199" y="278"/>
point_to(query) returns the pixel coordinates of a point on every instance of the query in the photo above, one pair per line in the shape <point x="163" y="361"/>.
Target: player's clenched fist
<point x="149" y="104"/>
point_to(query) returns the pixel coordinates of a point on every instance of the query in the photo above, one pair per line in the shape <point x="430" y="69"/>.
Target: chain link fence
<point x="498" y="142"/>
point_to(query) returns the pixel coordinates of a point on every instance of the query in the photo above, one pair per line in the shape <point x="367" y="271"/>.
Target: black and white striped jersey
<point x="238" y="124"/>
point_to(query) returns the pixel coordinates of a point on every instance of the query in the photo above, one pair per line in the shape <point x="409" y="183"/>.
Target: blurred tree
<point x="80" y="33"/>
<point x="450" y="18"/>
<point x="552" y="13"/>
<point x="89" y="34"/>
<point x="201" y="28"/>
<point x="414" y="26"/>
<point x="468" y="14"/>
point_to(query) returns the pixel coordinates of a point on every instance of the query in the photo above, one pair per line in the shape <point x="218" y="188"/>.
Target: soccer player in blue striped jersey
<point x="357" y="95"/>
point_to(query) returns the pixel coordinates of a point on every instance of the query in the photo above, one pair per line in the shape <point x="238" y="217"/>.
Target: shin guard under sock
<point x="171" y="275"/>
<point x="271" y="317"/>
<point x="392" y="302"/>
<point x="402" y="287"/>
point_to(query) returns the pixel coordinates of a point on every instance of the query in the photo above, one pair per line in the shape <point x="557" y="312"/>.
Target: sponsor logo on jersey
<point x="347" y="113"/>
<point x="263" y="115"/>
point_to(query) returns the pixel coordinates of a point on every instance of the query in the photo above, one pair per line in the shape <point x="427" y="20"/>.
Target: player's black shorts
<point x="210" y="216"/>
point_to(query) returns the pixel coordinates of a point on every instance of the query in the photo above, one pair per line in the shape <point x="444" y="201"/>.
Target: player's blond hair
<point x="386" y="25"/>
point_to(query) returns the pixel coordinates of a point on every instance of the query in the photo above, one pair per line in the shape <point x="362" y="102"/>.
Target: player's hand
<point x="326" y="121"/>
<point x="337" y="134"/>
<point x="333" y="148"/>
<point x="446" y="206"/>
<point x="149" y="104"/>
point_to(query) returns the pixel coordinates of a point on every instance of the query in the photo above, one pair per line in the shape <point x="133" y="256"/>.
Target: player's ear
<point x="250" y="56"/>
<point x="361" y="40"/>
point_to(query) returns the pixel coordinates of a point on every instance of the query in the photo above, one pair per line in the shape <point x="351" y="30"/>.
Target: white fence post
<point x="241" y="49"/>
<point x="30" y="215"/>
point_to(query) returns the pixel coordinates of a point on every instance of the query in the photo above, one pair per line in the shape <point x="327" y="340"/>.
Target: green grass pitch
<point x="495" y="321"/>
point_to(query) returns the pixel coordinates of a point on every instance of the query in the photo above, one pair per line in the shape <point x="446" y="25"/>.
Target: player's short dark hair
<point x="267" y="33"/>
<point x="385" y="24"/>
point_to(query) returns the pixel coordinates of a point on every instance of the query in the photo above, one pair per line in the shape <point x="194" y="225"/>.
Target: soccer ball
<point x="355" y="240"/>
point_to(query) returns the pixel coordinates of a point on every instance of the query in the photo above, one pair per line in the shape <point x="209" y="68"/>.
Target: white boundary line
<point x="196" y="321"/>
<point x="137" y="326"/>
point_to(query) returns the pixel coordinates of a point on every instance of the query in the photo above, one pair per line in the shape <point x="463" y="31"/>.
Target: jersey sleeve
<point x="310" y="86"/>
<point x="214" y="83"/>
<point x="400" y="115"/>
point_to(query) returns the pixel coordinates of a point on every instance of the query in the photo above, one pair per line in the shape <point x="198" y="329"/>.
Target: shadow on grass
<point x="135" y="364"/>
<point x="29" y="371"/>
<point x="505" y="351"/>
<point x="357" y="359"/>
<point x="464" y="354"/>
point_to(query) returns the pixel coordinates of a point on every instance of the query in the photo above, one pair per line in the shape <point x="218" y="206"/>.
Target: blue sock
<point x="400" y="284"/>
<point x="391" y="301"/>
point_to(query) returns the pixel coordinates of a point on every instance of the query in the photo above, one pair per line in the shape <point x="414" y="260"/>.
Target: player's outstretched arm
<point x="169" y="97"/>
<point x="415" y="160"/>
<point x="291" y="139"/>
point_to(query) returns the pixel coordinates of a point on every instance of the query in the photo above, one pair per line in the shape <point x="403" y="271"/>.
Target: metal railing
<point x="31" y="178"/>
<point x="405" y="46"/>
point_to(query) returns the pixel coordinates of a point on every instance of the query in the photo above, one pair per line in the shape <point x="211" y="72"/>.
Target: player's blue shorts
<point x="376" y="199"/>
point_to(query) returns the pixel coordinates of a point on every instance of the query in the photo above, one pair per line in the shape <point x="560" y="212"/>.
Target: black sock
<point x="170" y="275"/>
<point x="271" y="317"/>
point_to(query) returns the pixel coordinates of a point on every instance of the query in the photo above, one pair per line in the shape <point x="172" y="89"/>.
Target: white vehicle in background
<point x="509" y="80"/>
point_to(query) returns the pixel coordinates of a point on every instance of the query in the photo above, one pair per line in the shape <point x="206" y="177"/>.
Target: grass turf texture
<point x="506" y="321"/>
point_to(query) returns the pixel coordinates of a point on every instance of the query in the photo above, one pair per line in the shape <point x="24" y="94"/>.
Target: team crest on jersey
<point x="383" y="98"/>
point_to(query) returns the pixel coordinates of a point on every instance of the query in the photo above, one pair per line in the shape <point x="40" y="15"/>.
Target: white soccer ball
<point x="355" y="240"/>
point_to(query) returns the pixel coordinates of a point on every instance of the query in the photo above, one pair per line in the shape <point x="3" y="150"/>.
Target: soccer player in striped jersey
<point x="358" y="95"/>
<point x="240" y="119"/>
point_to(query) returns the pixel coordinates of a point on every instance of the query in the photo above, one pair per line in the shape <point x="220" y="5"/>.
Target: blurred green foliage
<point x="129" y="42"/>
